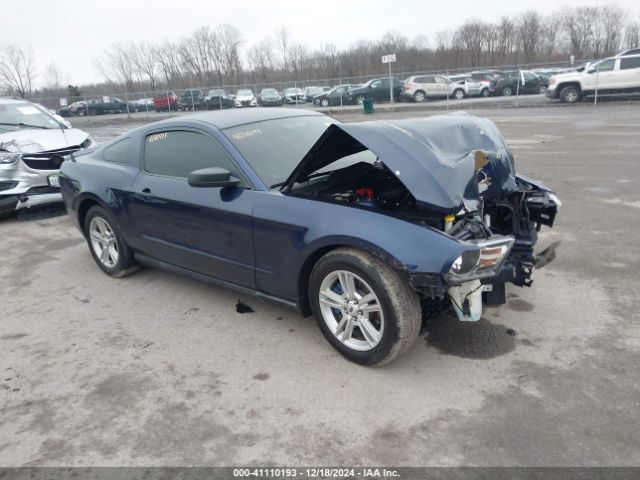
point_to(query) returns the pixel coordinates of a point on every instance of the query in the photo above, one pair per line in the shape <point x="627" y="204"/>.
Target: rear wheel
<point x="107" y="244"/>
<point x="570" y="94"/>
<point x="507" y="91"/>
<point x="458" y="94"/>
<point x="419" y="96"/>
<point x="360" y="99"/>
<point x="364" y="307"/>
<point x="542" y="89"/>
<point x="324" y="102"/>
<point x="484" y="92"/>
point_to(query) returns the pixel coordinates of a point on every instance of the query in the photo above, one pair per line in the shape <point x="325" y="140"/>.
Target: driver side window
<point x="177" y="153"/>
<point x="607" y="65"/>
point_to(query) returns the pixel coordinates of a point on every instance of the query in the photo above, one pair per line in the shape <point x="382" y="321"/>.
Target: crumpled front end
<point x="29" y="174"/>
<point x="453" y="174"/>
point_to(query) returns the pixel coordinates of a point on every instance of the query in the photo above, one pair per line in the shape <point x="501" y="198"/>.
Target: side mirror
<point x="212" y="177"/>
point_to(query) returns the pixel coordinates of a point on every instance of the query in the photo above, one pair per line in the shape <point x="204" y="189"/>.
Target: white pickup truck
<point x="618" y="74"/>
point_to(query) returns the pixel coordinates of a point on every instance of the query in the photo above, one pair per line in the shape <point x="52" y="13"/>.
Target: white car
<point x="473" y="87"/>
<point x="33" y="145"/>
<point x="618" y="74"/>
<point x="246" y="98"/>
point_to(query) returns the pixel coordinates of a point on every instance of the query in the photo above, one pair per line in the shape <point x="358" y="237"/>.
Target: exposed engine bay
<point x="454" y="174"/>
<point x="369" y="185"/>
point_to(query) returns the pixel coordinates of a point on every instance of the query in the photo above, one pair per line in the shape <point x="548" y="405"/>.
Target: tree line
<point x="219" y="56"/>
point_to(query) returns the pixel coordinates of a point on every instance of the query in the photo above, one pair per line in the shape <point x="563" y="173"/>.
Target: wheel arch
<point x="316" y="254"/>
<point x="84" y="204"/>
<point x="562" y="85"/>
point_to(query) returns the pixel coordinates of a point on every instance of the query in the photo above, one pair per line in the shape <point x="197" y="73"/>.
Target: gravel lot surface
<point x="156" y="369"/>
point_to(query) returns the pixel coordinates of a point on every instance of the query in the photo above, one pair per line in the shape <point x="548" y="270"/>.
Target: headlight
<point x="9" y="157"/>
<point x="87" y="143"/>
<point x="466" y="262"/>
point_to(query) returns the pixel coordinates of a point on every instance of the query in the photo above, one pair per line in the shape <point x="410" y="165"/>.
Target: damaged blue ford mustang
<point x="372" y="227"/>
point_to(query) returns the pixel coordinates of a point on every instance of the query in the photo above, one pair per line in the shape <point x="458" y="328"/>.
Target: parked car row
<point x="617" y="74"/>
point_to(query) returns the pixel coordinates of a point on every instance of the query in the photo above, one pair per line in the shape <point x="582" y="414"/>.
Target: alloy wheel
<point x="103" y="242"/>
<point x="351" y="310"/>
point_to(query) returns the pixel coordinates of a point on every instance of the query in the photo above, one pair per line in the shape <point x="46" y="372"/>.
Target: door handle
<point x="145" y="194"/>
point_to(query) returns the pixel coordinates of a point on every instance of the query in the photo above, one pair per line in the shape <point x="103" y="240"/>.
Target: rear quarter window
<point x="118" y="152"/>
<point x="629" y="63"/>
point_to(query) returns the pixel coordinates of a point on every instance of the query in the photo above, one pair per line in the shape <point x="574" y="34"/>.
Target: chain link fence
<point x="142" y="101"/>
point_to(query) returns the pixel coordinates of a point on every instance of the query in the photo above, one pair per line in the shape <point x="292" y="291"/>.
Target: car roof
<point x="231" y="118"/>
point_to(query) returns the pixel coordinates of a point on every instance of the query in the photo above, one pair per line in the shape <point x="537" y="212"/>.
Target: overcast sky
<point x="71" y="33"/>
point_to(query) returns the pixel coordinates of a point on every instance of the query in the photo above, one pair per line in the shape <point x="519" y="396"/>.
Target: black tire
<point x="93" y="112"/>
<point x="484" y="92"/>
<point x="459" y="94"/>
<point x="419" y="96"/>
<point x="398" y="302"/>
<point x="324" y="102"/>
<point x="126" y="263"/>
<point x="542" y="89"/>
<point x="360" y="99"/>
<point x="506" y="92"/>
<point x="570" y="94"/>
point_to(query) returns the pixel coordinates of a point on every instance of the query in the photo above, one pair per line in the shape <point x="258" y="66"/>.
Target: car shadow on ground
<point x="478" y="340"/>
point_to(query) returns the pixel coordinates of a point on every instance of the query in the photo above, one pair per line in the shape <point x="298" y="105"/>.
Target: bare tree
<point x="261" y="58"/>
<point x="54" y="79"/>
<point x="283" y="41"/>
<point x="578" y="24"/>
<point x="506" y="38"/>
<point x="632" y="35"/>
<point x="613" y="18"/>
<point x="472" y="36"/>
<point x="529" y="31"/>
<point x="117" y="65"/>
<point x="17" y="69"/>
<point x="169" y="62"/>
<point x="146" y="62"/>
<point x="230" y="39"/>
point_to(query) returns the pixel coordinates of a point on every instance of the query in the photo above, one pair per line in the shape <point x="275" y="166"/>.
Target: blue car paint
<point x="254" y="238"/>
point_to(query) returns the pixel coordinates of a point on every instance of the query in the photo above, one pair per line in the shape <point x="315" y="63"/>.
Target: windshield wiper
<point x="26" y="125"/>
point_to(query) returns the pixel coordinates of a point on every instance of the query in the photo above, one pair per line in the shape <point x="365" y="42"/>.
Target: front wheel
<point x="507" y="91"/>
<point x="484" y="92"/>
<point x="360" y="99"/>
<point x="570" y="94"/>
<point x="542" y="89"/>
<point x="458" y="94"/>
<point x="364" y="308"/>
<point x="107" y="244"/>
<point x="324" y="102"/>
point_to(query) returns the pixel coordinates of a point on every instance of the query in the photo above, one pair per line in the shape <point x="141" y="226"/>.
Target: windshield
<point x="293" y="90"/>
<point x="245" y="92"/>
<point x="269" y="91"/>
<point x="25" y="115"/>
<point x="275" y="147"/>
<point x="216" y="92"/>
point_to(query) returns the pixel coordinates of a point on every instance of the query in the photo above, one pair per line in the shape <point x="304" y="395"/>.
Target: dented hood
<point x="41" y="140"/>
<point x="445" y="161"/>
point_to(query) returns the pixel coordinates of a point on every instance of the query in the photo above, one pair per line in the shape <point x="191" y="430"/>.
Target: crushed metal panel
<point x="435" y="157"/>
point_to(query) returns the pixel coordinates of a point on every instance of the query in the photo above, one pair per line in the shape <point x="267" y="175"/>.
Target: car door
<point x="531" y="82"/>
<point x="629" y="75"/>
<point x="441" y="86"/>
<point x="205" y="230"/>
<point x="602" y="75"/>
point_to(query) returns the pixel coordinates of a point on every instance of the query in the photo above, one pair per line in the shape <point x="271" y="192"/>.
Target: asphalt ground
<point x="156" y="369"/>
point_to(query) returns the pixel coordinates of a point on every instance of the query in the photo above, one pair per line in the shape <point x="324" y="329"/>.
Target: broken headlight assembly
<point x="9" y="157"/>
<point x="483" y="261"/>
